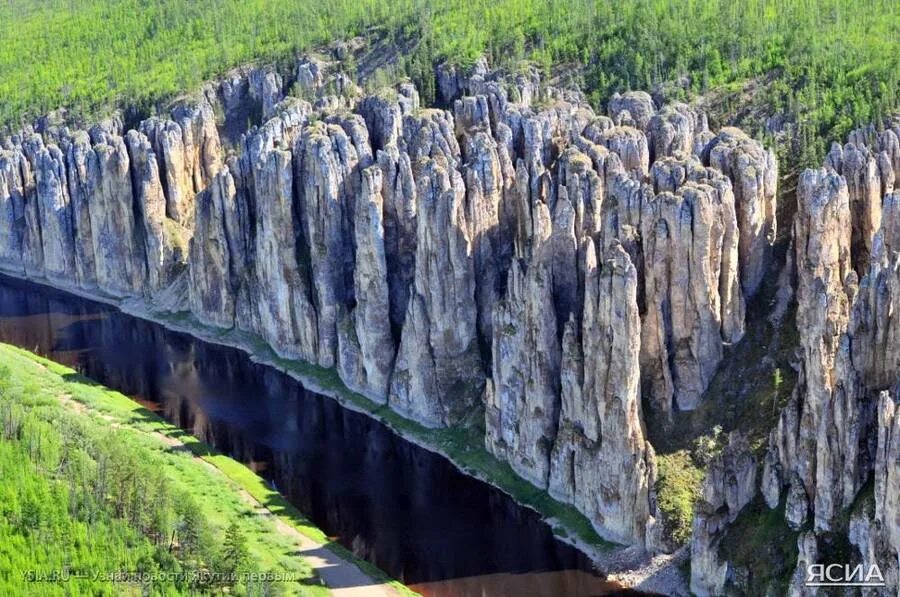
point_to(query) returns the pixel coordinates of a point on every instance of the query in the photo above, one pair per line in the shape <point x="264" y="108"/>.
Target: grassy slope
<point x="836" y="60"/>
<point x="42" y="381"/>
<point x="39" y="537"/>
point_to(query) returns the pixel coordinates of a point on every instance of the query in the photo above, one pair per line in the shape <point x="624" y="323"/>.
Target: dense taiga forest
<point x="828" y="65"/>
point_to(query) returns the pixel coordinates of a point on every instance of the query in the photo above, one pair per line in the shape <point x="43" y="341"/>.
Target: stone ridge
<point x="839" y="430"/>
<point x="516" y="257"/>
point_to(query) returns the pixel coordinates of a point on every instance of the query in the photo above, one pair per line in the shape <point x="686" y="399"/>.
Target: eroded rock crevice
<point x="831" y="460"/>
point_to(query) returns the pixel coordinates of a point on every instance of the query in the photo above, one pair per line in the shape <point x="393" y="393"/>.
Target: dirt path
<point x="343" y="578"/>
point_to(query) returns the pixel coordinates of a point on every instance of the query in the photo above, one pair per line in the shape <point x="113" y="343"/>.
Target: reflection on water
<point x="408" y="511"/>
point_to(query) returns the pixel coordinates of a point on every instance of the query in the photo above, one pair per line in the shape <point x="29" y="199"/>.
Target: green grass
<point x="836" y="60"/>
<point x="677" y="489"/>
<point x="40" y="382"/>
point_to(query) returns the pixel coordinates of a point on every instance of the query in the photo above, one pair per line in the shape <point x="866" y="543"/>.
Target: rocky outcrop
<point x="630" y="145"/>
<point x="634" y="108"/>
<point x="824" y="282"/>
<point x="859" y="168"/>
<point x="54" y="210"/>
<point x="875" y="320"/>
<point x="327" y="180"/>
<point x="885" y="540"/>
<point x="601" y="461"/>
<point x="372" y="311"/>
<point x="438" y="377"/>
<point x="212" y="292"/>
<point x="807" y="554"/>
<point x="12" y="209"/>
<point x="847" y="331"/>
<point x="530" y="263"/>
<point x="754" y="176"/>
<point x="78" y="148"/>
<point x="730" y="484"/>
<point x="164" y="241"/>
<point x="189" y="155"/>
<point x="286" y="317"/>
<point x="266" y="88"/>
<point x="117" y="255"/>
<point x="522" y="406"/>
<point x="875" y="522"/>
<point x="677" y="129"/>
<point x="692" y="292"/>
<point x="836" y="431"/>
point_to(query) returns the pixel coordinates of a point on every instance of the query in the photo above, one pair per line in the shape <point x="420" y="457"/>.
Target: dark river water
<point x="406" y="510"/>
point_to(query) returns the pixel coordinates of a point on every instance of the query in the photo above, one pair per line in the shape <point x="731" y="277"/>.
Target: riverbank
<point x="279" y="538"/>
<point x="460" y="446"/>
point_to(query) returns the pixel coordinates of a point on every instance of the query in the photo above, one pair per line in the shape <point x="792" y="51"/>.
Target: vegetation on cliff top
<point x="836" y="61"/>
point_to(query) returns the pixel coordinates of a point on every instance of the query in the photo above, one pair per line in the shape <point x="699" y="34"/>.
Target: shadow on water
<point x="404" y="509"/>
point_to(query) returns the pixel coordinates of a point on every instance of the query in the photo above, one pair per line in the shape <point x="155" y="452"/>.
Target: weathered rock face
<point x="692" y="291"/>
<point x="808" y="553"/>
<point x="676" y="129"/>
<point x="266" y="88"/>
<point x="286" y="316"/>
<point x="326" y="158"/>
<point x="822" y="241"/>
<point x="532" y="259"/>
<point x="859" y="168"/>
<point x="875" y="320"/>
<point x="54" y="209"/>
<point x="168" y="142"/>
<point x="885" y="539"/>
<point x="730" y="484"/>
<point x="91" y="211"/>
<point x="485" y="186"/>
<point x="12" y="209"/>
<point x="601" y="461"/>
<point x="23" y="185"/>
<point x="633" y="107"/>
<point x="79" y="146"/>
<point x="838" y="429"/>
<point x="754" y="176"/>
<point x="189" y="155"/>
<point x="522" y="406"/>
<point x="164" y="254"/>
<point x="874" y="522"/>
<point x="372" y="311"/>
<point x="630" y="145"/>
<point x="212" y="294"/>
<point x="438" y="377"/>
<point x="119" y="270"/>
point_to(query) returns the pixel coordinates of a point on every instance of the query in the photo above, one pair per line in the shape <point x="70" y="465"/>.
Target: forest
<point x="826" y="66"/>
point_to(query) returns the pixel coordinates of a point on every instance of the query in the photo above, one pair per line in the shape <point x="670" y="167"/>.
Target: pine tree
<point x="235" y="557"/>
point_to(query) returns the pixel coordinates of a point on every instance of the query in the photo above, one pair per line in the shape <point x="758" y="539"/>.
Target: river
<point x="405" y="509"/>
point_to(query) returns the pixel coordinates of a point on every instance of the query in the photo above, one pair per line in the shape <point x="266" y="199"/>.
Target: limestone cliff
<point x="837" y="435"/>
<point x="516" y="258"/>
